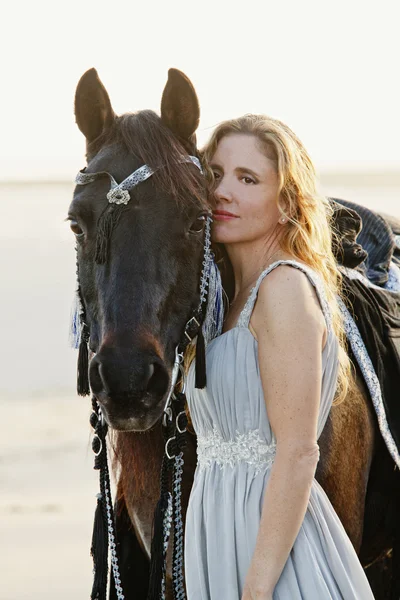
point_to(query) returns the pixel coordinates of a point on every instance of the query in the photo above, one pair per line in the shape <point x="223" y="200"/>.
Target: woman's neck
<point x="249" y="259"/>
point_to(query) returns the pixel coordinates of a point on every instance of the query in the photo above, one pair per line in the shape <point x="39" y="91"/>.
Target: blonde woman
<point x="258" y="524"/>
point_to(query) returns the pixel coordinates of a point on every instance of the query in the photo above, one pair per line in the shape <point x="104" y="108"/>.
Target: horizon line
<point x="391" y="174"/>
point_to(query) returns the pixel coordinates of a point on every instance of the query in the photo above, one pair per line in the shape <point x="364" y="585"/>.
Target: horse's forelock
<point x="145" y="137"/>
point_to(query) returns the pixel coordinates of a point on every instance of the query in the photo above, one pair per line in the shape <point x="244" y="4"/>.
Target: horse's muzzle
<point x="130" y="387"/>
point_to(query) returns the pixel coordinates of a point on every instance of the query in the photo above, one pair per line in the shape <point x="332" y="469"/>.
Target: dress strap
<point x="244" y="317"/>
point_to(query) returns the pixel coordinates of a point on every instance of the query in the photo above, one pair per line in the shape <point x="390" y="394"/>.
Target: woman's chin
<point x="220" y="239"/>
<point x="220" y="235"/>
<point x="225" y="239"/>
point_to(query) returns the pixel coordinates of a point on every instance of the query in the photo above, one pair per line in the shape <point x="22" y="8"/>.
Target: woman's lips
<point x="223" y="215"/>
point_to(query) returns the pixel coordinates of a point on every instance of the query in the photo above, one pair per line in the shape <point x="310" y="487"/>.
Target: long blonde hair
<point x="308" y="234"/>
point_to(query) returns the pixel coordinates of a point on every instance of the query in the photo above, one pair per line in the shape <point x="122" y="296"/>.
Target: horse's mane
<point x="144" y="136"/>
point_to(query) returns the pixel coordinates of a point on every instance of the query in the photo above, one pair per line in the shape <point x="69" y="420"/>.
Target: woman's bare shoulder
<point x="286" y="297"/>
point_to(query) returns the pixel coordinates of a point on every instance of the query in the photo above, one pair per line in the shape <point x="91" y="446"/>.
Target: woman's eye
<point x="248" y="179"/>
<point x="216" y="175"/>
<point x="76" y="229"/>
<point x="198" y="224"/>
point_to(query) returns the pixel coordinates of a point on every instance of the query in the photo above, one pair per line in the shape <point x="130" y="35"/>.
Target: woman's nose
<point x="222" y="192"/>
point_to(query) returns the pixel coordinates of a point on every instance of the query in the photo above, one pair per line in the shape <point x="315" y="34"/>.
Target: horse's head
<point x="138" y="298"/>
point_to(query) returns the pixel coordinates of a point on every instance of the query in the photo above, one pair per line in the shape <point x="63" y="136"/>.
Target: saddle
<point x="360" y="228"/>
<point x="366" y="248"/>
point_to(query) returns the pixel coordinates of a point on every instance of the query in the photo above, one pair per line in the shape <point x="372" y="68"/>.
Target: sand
<point x="47" y="498"/>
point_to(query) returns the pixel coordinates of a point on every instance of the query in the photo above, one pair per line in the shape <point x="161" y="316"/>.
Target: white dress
<point x="236" y="449"/>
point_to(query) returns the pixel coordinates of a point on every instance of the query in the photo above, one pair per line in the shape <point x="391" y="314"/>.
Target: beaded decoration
<point x="246" y="447"/>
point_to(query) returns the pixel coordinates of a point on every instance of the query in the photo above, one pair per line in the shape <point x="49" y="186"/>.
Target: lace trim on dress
<point x="244" y="317"/>
<point x="248" y="447"/>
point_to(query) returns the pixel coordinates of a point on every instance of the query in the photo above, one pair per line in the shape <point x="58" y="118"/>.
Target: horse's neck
<point x="138" y="468"/>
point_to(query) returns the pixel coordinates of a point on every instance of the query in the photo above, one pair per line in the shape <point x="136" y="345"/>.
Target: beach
<point x="48" y="485"/>
<point x="47" y="501"/>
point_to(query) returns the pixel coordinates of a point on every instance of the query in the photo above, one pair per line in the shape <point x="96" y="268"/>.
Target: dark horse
<point x="137" y="304"/>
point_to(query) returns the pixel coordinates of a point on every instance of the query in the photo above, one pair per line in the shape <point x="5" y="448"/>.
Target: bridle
<point x="205" y="323"/>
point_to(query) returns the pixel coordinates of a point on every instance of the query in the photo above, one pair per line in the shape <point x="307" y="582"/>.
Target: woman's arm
<point x="289" y="325"/>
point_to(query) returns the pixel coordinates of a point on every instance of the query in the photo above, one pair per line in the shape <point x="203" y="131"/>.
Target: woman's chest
<point x="233" y="398"/>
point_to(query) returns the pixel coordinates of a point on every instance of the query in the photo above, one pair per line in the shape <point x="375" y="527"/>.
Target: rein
<point x="205" y="323"/>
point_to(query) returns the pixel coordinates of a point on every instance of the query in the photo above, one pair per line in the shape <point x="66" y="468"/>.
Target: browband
<point x="119" y="192"/>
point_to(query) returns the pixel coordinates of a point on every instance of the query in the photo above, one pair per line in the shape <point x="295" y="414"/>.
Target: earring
<point x="283" y="220"/>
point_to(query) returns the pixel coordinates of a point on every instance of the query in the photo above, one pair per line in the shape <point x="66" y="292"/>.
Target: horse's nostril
<point x="103" y="378"/>
<point x="150" y="371"/>
<point x="95" y="376"/>
<point x="158" y="381"/>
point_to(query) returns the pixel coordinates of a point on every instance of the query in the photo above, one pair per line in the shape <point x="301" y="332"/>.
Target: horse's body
<point x="137" y="305"/>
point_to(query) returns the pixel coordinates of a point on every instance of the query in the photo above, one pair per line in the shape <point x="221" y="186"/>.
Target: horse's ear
<point x="93" y="111"/>
<point x="180" y="110"/>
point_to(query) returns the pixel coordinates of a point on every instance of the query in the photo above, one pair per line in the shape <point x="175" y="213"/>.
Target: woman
<point x="258" y="523"/>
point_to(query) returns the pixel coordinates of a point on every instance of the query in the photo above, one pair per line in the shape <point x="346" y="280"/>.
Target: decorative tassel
<point x="106" y="224"/>
<point x="78" y="317"/>
<point x="75" y="331"/>
<point x="214" y="317"/>
<point x="212" y="322"/>
<point x="83" y="387"/>
<point x="157" y="563"/>
<point x="99" y="552"/>
<point x="79" y="338"/>
<point x="201" y="376"/>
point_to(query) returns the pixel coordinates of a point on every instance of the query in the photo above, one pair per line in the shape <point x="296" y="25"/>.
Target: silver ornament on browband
<point x="119" y="192"/>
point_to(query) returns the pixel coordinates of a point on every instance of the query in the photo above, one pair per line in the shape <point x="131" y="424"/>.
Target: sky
<point x="330" y="70"/>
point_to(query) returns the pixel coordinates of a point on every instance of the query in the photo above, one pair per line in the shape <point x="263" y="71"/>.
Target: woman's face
<point x="247" y="187"/>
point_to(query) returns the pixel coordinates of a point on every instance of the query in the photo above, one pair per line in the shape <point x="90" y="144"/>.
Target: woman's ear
<point x="283" y="209"/>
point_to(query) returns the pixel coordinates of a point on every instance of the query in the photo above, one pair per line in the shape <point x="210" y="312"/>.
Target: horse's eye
<point x="76" y="229"/>
<point x="198" y="225"/>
